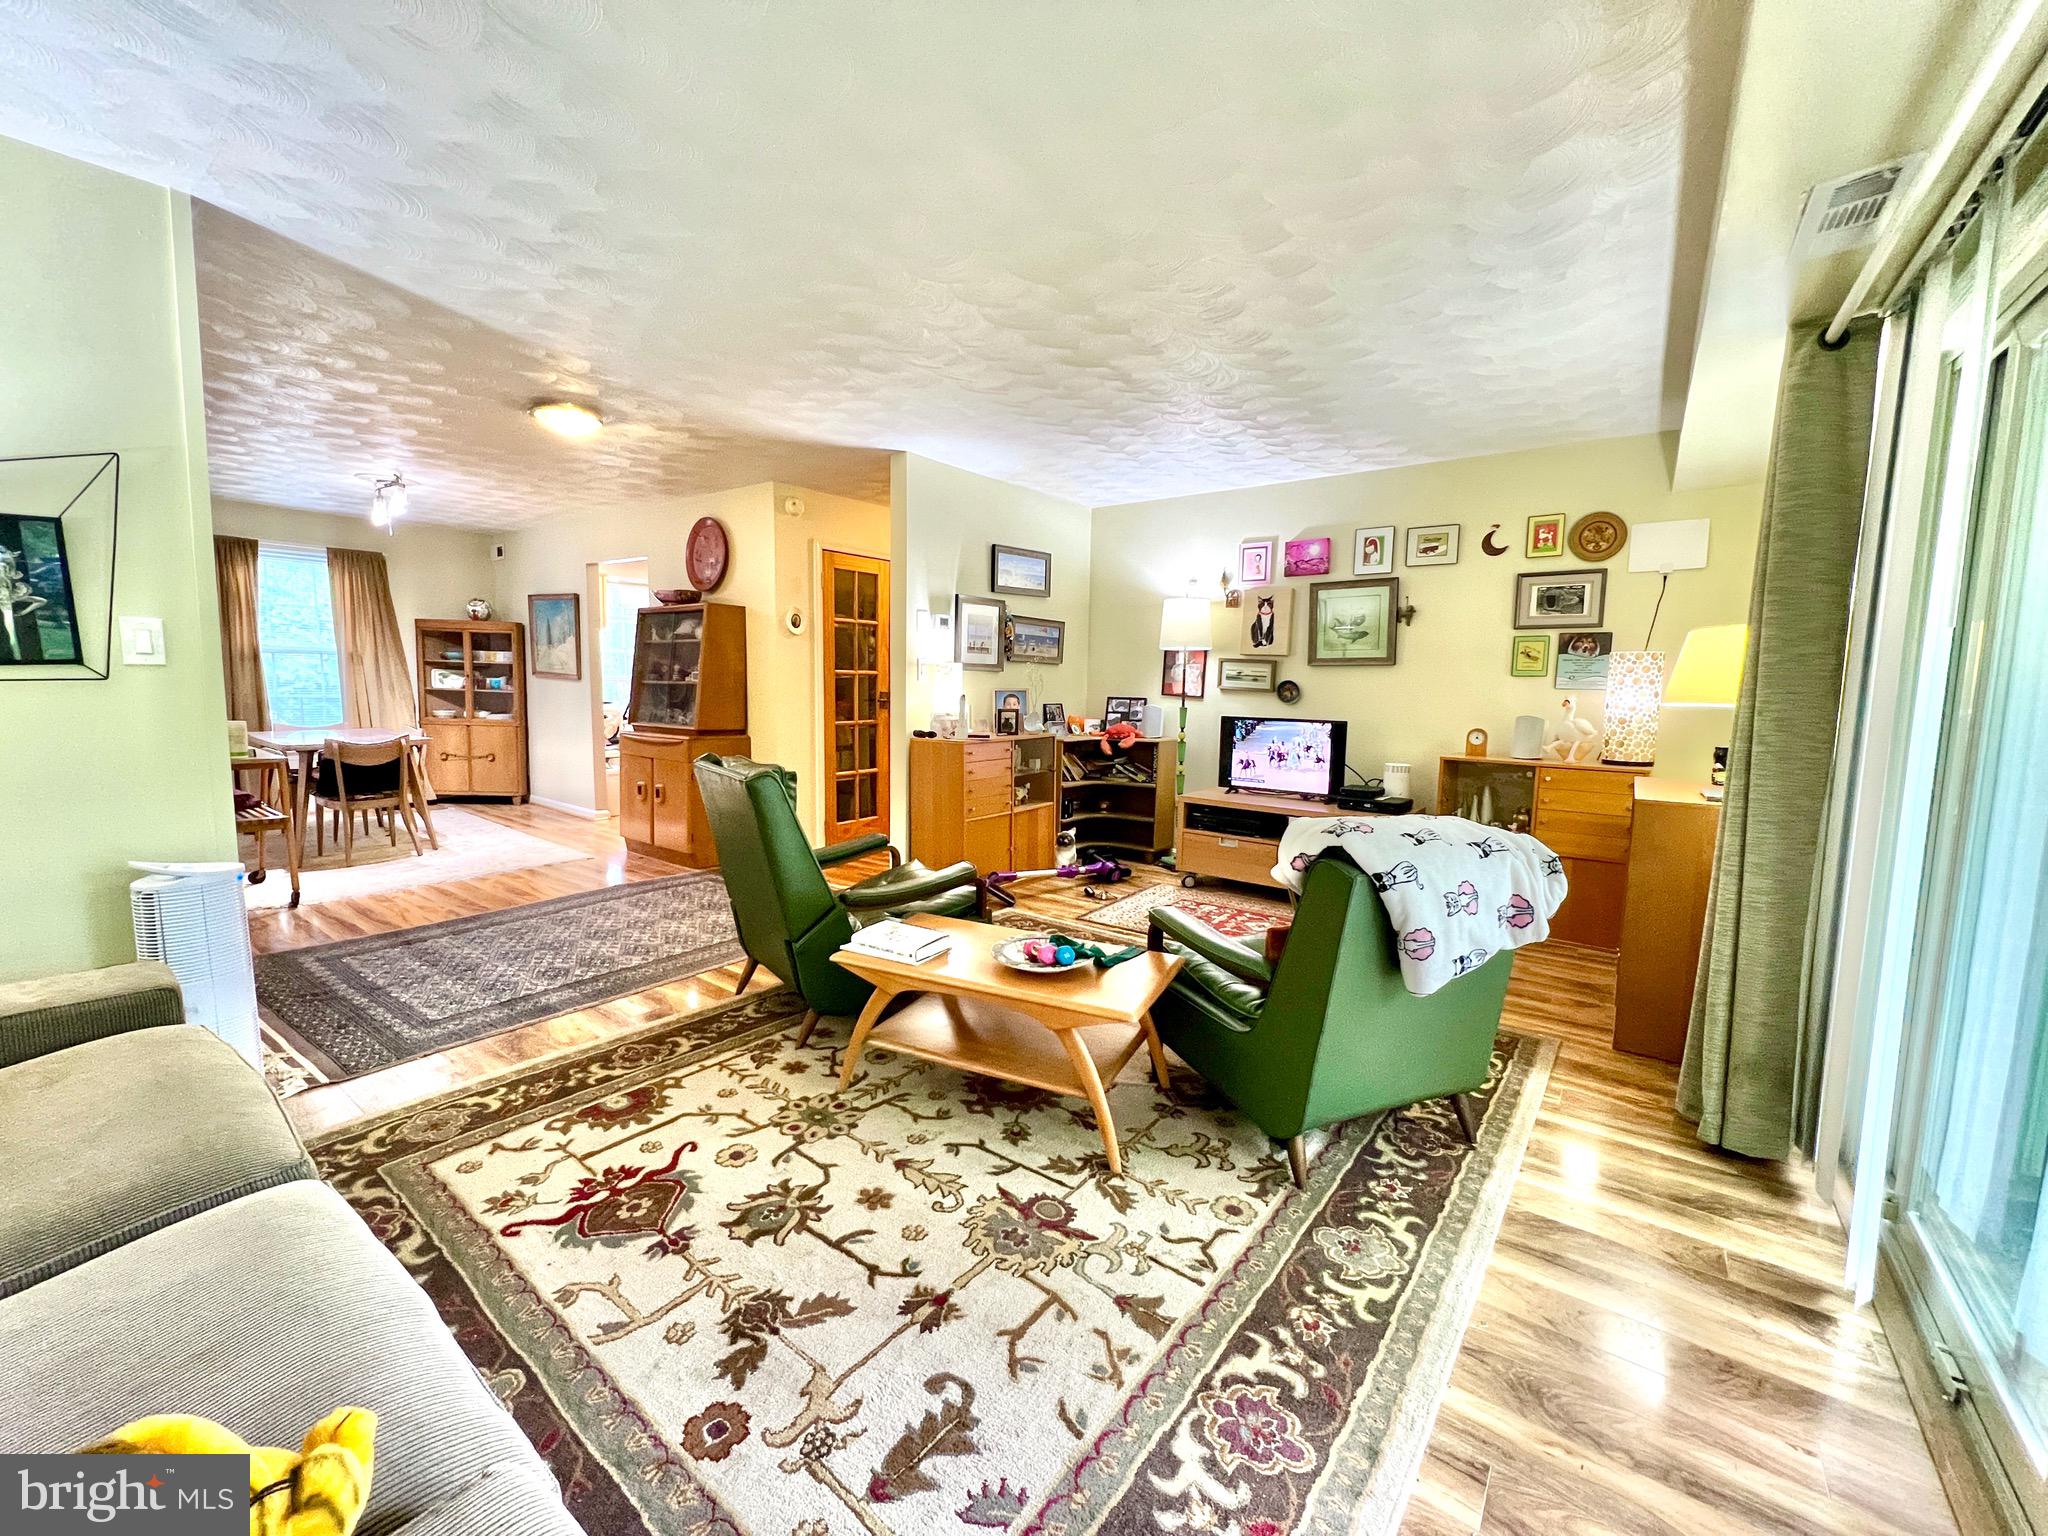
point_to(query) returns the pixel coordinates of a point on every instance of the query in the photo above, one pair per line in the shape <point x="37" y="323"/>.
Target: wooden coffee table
<point x="1067" y="1033"/>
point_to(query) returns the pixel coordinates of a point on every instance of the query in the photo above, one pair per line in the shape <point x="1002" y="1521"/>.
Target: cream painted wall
<point x="942" y="522"/>
<point x="99" y="333"/>
<point x="773" y="568"/>
<point x="435" y="570"/>
<point x="1453" y="660"/>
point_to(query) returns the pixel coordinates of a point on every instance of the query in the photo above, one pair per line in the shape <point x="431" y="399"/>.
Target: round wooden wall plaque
<point x="706" y="554"/>
<point x="1598" y="535"/>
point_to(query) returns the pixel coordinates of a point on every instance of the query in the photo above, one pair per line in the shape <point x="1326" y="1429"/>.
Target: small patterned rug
<point x="721" y="1295"/>
<point x="349" y="1008"/>
<point x="1237" y="914"/>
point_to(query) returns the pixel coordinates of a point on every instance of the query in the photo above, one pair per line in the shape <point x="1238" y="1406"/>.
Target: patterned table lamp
<point x="1635" y="690"/>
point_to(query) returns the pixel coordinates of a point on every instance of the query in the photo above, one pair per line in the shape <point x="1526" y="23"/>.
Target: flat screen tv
<point x="1282" y="757"/>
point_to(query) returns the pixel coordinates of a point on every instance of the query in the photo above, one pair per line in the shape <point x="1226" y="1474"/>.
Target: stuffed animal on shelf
<point x="317" y="1490"/>
<point x="1574" y="740"/>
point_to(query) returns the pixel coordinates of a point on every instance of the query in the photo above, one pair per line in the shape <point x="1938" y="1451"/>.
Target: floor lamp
<point x="1184" y="627"/>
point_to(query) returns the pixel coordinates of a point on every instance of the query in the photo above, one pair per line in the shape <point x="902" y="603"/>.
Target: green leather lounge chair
<point x="790" y="920"/>
<point x="1329" y="1032"/>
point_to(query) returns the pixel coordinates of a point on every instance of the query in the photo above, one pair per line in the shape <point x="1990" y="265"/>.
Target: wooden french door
<point x="856" y="739"/>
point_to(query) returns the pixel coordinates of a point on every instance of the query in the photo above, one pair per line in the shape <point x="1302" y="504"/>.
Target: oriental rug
<point x="721" y="1295"/>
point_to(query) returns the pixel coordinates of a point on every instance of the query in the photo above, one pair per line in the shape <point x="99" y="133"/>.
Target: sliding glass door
<point x="1973" y="1235"/>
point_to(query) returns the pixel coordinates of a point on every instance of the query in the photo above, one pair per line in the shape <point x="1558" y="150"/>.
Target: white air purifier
<point x="190" y="916"/>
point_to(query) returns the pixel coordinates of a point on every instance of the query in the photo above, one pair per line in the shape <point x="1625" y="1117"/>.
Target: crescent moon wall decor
<point x="1486" y="542"/>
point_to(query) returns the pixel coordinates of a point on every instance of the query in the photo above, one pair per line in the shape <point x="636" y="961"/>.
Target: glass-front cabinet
<point x="689" y="669"/>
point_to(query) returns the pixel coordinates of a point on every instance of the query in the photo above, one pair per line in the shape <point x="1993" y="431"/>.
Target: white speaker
<point x="1155" y="719"/>
<point x="1528" y="736"/>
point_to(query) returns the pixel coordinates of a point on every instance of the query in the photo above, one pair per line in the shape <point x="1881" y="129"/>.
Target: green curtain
<point x="1751" y="1071"/>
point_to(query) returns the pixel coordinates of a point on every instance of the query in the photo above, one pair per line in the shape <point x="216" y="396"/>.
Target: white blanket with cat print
<point x="1457" y="892"/>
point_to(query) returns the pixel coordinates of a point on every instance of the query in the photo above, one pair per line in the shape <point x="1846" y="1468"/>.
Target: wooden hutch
<point x="689" y="697"/>
<point x="1584" y="812"/>
<point x="988" y="800"/>
<point x="472" y="704"/>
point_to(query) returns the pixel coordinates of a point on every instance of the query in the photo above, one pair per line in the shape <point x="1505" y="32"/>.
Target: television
<point x="1282" y="757"/>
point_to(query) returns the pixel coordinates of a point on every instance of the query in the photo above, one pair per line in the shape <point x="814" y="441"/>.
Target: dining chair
<point x="355" y="778"/>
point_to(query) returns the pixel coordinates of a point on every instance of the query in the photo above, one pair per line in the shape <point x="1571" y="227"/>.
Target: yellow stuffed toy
<point x="319" y="1490"/>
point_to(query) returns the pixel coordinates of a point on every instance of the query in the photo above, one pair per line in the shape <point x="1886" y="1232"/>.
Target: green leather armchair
<point x="1329" y="1033"/>
<point x="789" y="918"/>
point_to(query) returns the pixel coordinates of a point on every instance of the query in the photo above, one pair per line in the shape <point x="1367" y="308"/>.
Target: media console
<point x="1235" y="834"/>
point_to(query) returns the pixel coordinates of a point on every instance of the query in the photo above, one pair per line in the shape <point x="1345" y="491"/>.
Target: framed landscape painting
<point x="1246" y="675"/>
<point x="554" y="630"/>
<point x="1037" y="640"/>
<point x="1307" y="557"/>
<point x="978" y="627"/>
<point x="1019" y="572"/>
<point x="38" y="623"/>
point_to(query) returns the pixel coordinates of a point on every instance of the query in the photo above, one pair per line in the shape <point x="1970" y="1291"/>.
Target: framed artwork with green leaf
<point x="1530" y="656"/>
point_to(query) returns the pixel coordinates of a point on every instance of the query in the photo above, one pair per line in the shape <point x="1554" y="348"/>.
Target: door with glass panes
<point x="855" y="638"/>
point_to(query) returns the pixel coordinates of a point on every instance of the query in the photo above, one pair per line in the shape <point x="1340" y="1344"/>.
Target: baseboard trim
<point x="564" y="805"/>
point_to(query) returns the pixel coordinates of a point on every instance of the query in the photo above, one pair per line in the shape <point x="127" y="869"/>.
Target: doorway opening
<point x="619" y="593"/>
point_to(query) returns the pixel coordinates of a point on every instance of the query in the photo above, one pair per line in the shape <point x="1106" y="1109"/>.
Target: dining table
<point x="303" y="742"/>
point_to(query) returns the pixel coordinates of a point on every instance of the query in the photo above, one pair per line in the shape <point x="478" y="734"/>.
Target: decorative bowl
<point x="1011" y="953"/>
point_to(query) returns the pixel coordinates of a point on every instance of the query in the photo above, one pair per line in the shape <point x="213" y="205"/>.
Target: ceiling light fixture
<point x="387" y="502"/>
<point x="566" y="418"/>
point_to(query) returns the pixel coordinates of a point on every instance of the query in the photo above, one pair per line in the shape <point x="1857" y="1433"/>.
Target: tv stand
<point x="1234" y="834"/>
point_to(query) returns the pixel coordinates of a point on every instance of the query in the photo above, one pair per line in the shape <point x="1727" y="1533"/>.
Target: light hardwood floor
<point x="1660" y="1345"/>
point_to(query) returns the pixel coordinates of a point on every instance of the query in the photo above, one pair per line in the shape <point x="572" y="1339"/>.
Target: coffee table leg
<point x="1084" y="1069"/>
<point x="1158" y="1053"/>
<point x="862" y="1026"/>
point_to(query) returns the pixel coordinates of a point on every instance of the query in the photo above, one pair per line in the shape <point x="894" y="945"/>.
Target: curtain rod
<point x="1910" y="213"/>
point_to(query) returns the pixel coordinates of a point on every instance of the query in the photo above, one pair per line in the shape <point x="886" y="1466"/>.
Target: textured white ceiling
<point x="1106" y="248"/>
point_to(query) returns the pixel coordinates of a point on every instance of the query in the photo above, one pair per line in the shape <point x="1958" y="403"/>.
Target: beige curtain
<point x="1752" y="1056"/>
<point x="241" y="657"/>
<point x="375" y="688"/>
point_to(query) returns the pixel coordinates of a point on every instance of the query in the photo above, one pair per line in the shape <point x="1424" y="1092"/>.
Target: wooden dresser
<point x="1670" y="874"/>
<point x="1582" y="811"/>
<point x="472" y="703"/>
<point x="989" y="800"/>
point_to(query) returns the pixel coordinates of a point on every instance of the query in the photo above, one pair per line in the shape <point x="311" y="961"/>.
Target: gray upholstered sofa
<point x="166" y="1246"/>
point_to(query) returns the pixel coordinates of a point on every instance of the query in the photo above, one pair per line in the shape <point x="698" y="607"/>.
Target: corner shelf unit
<point x="471" y="686"/>
<point x="1121" y="805"/>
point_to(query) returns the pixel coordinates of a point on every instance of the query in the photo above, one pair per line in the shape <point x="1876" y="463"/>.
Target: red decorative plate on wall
<point x="706" y="553"/>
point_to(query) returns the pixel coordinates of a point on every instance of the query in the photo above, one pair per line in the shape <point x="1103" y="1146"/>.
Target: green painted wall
<point x="99" y="350"/>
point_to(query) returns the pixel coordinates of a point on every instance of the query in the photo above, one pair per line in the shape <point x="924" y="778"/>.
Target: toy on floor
<point x="1100" y="871"/>
<point x="317" y="1490"/>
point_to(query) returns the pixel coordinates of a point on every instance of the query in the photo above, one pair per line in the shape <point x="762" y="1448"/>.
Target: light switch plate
<point x="142" y="642"/>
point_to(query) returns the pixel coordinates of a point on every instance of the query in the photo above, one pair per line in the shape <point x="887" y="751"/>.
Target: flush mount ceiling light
<point x="566" y="418"/>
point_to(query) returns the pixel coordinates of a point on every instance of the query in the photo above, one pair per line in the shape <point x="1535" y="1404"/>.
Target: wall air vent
<point x="1843" y="214"/>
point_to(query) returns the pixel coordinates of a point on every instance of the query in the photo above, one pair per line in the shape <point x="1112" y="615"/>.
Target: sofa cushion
<point x="504" y="1498"/>
<point x="49" y="1013"/>
<point x="263" y="1314"/>
<point x="116" y="1137"/>
<point x="1203" y="979"/>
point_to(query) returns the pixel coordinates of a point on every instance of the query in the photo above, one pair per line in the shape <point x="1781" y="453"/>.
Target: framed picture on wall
<point x="1436" y="544"/>
<point x="1529" y="656"/>
<point x="978" y="625"/>
<point x="1041" y="641"/>
<point x="38" y="624"/>
<point x="1185" y="674"/>
<point x="1351" y="623"/>
<point x="1266" y="622"/>
<point x="1123" y="709"/>
<point x="1020" y="572"/>
<point x="554" y="629"/>
<point x="1582" y="657"/>
<point x="1546" y="536"/>
<point x="1255" y="562"/>
<point x="1567" y="600"/>
<point x="1372" y="552"/>
<point x="1246" y="675"/>
<point x="1307" y="557"/>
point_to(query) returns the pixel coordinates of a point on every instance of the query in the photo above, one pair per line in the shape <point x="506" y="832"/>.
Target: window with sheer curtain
<point x="295" y="627"/>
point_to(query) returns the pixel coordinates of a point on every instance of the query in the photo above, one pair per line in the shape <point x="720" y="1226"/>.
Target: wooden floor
<point x="1661" y="1344"/>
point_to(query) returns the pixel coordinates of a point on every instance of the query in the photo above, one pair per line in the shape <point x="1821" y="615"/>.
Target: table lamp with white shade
<point x="1709" y="675"/>
<point x="1183" y="627"/>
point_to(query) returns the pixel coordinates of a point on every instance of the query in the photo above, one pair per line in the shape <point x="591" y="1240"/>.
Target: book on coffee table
<point x="893" y="940"/>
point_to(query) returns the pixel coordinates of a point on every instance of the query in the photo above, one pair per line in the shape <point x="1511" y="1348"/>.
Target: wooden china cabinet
<point x="472" y="703"/>
<point x="689" y="697"/>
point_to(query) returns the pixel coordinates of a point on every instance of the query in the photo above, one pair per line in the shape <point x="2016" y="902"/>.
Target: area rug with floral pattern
<point x="721" y="1295"/>
<point x="1237" y="914"/>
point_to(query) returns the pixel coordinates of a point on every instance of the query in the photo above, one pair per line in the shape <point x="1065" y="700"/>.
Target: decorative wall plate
<point x="1289" y="691"/>
<point x="706" y="553"/>
<point x="1598" y="536"/>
